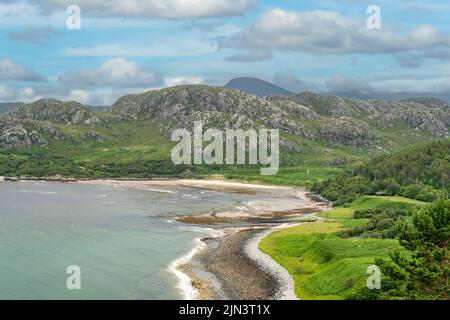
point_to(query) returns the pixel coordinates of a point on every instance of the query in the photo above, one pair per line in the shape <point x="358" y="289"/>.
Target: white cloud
<point x="82" y="96"/>
<point x="330" y="32"/>
<point x="10" y="70"/>
<point x="177" y="81"/>
<point x="6" y="93"/>
<point x="166" y="9"/>
<point x="118" y="72"/>
<point x="9" y="94"/>
<point x="17" y="10"/>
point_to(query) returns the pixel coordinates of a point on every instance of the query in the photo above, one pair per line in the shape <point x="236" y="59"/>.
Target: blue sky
<point x="133" y="46"/>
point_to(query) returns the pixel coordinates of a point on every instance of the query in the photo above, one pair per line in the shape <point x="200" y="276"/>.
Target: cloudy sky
<point x="138" y="45"/>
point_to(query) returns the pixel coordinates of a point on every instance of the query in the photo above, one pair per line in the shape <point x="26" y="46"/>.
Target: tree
<point x="423" y="271"/>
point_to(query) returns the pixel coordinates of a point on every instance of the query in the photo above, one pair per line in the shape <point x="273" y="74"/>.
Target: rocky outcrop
<point x="348" y="132"/>
<point x="433" y="118"/>
<point x="25" y="133"/>
<point x="93" y="136"/>
<point x="294" y="109"/>
<point x="15" y="134"/>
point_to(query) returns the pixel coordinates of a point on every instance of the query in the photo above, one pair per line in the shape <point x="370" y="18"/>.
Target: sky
<point x="133" y="46"/>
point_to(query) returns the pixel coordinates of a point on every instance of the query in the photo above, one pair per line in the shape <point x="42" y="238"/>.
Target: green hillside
<point x="421" y="172"/>
<point x="324" y="264"/>
<point x="320" y="135"/>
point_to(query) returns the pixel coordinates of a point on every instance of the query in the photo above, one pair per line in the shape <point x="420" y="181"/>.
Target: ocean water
<point x="123" y="239"/>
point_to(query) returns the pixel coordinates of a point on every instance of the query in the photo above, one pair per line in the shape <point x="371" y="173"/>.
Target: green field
<point x="324" y="265"/>
<point x="299" y="176"/>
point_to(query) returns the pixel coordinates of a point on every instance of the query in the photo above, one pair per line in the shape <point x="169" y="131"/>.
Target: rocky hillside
<point x="329" y="120"/>
<point x="426" y="114"/>
<point x="228" y="108"/>
<point x="70" y="113"/>
<point x="216" y="107"/>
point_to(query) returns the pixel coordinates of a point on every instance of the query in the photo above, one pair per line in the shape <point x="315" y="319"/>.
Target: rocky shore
<point x="241" y="277"/>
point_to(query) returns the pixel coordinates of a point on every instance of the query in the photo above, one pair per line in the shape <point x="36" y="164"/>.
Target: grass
<point x="323" y="265"/>
<point x="124" y="142"/>
<point x="299" y="176"/>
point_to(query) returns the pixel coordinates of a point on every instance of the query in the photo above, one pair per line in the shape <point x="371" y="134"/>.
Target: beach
<point x="228" y="263"/>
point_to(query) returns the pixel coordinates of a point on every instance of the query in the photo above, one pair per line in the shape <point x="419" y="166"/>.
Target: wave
<point x="37" y="192"/>
<point x="154" y="190"/>
<point x="189" y="196"/>
<point x="184" y="281"/>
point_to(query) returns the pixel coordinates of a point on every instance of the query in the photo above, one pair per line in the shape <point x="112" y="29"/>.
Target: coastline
<point x="229" y="264"/>
<point x="233" y="258"/>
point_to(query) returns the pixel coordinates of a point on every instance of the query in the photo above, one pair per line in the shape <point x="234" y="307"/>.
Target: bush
<point x="382" y="223"/>
<point x="413" y="190"/>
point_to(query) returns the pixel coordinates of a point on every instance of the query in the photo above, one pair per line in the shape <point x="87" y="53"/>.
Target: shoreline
<point x="229" y="263"/>
<point x="286" y="284"/>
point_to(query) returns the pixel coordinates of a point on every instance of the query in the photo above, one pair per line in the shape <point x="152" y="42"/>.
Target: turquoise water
<point x="122" y="239"/>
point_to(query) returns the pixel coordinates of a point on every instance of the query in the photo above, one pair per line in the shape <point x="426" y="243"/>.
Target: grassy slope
<point x="141" y="142"/>
<point x="325" y="266"/>
<point x="124" y="142"/>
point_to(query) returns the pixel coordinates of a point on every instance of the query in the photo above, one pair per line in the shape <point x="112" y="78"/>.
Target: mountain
<point x="215" y="106"/>
<point x="7" y="106"/>
<point x="257" y="87"/>
<point x="133" y="133"/>
<point x="56" y="111"/>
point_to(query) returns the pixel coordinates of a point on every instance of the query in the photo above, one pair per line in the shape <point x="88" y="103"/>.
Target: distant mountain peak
<point x="257" y="87"/>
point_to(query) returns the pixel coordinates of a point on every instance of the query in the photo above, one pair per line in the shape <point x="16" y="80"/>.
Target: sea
<point x="123" y="242"/>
